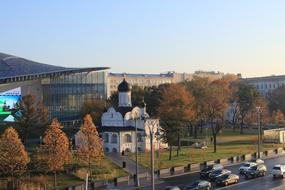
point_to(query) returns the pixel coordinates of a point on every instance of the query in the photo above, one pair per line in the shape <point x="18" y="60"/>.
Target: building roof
<point x="13" y="66"/>
<point x="140" y="75"/>
<point x="265" y="78"/>
<point x="117" y="129"/>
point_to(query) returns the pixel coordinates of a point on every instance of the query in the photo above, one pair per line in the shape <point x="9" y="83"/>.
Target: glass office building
<point x="65" y="95"/>
<point x="62" y="90"/>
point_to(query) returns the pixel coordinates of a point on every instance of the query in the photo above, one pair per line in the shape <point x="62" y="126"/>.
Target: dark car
<point x="199" y="185"/>
<point x="256" y="171"/>
<point x="208" y="169"/>
<point x="227" y="179"/>
<point x="218" y="173"/>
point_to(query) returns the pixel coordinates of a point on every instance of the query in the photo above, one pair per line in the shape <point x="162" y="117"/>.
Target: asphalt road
<point x="261" y="183"/>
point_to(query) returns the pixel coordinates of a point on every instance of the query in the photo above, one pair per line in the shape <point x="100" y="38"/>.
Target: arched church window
<point x="139" y="136"/>
<point x="114" y="139"/>
<point x="106" y="137"/>
<point x="127" y="138"/>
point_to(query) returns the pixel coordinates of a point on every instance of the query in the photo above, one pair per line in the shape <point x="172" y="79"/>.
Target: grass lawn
<point x="105" y="170"/>
<point x="228" y="144"/>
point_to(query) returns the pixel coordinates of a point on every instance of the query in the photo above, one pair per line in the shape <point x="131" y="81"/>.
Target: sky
<point x="148" y="36"/>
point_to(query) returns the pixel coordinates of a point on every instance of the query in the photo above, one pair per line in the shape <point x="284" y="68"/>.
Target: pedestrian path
<point x="118" y="159"/>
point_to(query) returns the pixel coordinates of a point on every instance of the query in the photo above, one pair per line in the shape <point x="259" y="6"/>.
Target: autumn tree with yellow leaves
<point x="13" y="156"/>
<point x="90" y="145"/>
<point x="56" y="148"/>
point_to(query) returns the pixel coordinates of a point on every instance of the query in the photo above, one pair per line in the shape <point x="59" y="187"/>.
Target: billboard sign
<point x="8" y="100"/>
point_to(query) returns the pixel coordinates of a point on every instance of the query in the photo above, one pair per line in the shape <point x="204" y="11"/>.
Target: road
<point x="261" y="183"/>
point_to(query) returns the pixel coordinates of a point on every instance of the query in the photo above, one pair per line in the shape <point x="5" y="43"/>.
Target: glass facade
<point x="64" y="95"/>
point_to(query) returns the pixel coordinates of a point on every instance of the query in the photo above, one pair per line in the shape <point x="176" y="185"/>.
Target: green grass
<point x="105" y="170"/>
<point x="228" y="144"/>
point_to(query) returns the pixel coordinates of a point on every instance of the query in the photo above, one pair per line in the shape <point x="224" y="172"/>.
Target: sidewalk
<point x="118" y="159"/>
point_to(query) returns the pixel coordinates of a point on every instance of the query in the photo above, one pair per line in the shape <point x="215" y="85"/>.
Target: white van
<point x="278" y="171"/>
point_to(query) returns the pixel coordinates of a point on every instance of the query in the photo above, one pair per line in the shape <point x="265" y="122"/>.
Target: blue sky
<point x="149" y="36"/>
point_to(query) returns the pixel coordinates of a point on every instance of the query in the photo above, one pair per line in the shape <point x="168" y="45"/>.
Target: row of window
<point x="114" y="138"/>
<point x="270" y="86"/>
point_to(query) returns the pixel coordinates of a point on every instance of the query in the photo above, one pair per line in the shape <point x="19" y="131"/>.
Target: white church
<point x="118" y="126"/>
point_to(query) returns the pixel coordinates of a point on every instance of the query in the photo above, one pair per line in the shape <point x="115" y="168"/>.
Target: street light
<point x="152" y="125"/>
<point x="135" y="116"/>
<point x="258" y="109"/>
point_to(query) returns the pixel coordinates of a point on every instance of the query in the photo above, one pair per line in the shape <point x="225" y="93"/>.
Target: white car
<point x="245" y="166"/>
<point x="278" y="171"/>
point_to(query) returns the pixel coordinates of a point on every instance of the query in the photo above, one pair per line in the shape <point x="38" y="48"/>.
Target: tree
<point x="152" y="98"/>
<point x="90" y="146"/>
<point x="198" y="87"/>
<point x="175" y="110"/>
<point x="217" y="99"/>
<point x="31" y="116"/>
<point x="246" y="98"/>
<point x="113" y="100"/>
<point x="13" y="156"/>
<point x="95" y="108"/>
<point x="277" y="117"/>
<point x="137" y="96"/>
<point x="56" y="148"/>
<point x="277" y="100"/>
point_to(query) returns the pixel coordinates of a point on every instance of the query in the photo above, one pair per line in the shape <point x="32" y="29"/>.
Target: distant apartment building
<point x="265" y="85"/>
<point x="147" y="80"/>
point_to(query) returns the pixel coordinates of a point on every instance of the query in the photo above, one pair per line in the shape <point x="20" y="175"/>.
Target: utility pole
<point x="258" y="108"/>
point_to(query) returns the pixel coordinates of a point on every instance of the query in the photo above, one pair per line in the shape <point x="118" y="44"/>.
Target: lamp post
<point x="152" y="125"/>
<point x="135" y="117"/>
<point x="258" y="108"/>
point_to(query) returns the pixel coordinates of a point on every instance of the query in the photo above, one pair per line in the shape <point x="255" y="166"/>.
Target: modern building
<point x="119" y="126"/>
<point x="148" y="80"/>
<point x="265" y="85"/>
<point x="62" y="90"/>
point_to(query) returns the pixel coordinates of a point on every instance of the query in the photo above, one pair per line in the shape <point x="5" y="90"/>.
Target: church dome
<point x="124" y="86"/>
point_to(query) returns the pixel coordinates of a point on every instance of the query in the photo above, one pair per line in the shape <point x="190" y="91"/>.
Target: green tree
<point x="246" y="98"/>
<point x="153" y="97"/>
<point x="13" y="156"/>
<point x="56" y="148"/>
<point x="90" y="144"/>
<point x="31" y="116"/>
<point x="95" y="108"/>
<point x="175" y="110"/>
<point x="277" y="100"/>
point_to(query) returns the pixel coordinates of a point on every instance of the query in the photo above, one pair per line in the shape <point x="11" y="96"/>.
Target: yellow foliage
<point x="56" y="147"/>
<point x="90" y="146"/>
<point x="13" y="156"/>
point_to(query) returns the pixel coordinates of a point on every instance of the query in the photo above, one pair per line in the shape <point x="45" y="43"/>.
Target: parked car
<point x="208" y="169"/>
<point x="278" y="171"/>
<point x="255" y="171"/>
<point x="172" y="188"/>
<point x="218" y="173"/>
<point x="199" y="185"/>
<point x="227" y="179"/>
<point x="245" y="166"/>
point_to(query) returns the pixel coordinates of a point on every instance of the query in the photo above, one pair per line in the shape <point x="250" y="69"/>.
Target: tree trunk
<point x="13" y="181"/>
<point x="54" y="179"/>
<point x="195" y="131"/>
<point x="170" y="152"/>
<point x="178" y="146"/>
<point x="215" y="142"/>
<point x="241" y="126"/>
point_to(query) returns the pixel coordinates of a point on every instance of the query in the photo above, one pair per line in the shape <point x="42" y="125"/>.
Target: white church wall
<point x="112" y="118"/>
